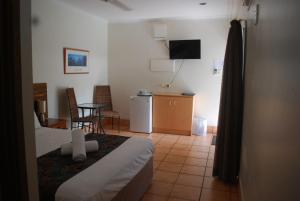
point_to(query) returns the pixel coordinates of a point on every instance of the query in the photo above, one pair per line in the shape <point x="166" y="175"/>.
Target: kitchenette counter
<point x="171" y="94"/>
<point x="173" y="113"/>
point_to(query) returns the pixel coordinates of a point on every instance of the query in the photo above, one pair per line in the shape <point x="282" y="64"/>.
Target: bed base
<point x="136" y="188"/>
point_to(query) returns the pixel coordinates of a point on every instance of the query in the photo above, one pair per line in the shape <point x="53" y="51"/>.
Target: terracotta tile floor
<point x="183" y="169"/>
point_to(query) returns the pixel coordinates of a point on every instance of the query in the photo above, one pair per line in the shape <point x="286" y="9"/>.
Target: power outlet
<point x="166" y="85"/>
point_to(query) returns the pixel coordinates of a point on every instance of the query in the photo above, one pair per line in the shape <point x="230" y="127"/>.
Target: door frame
<point x="17" y="145"/>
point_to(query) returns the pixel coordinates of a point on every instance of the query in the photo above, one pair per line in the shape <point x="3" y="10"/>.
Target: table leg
<point x="93" y="125"/>
<point x="82" y="123"/>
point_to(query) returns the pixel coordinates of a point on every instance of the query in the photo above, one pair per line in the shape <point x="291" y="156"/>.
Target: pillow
<point x="36" y="121"/>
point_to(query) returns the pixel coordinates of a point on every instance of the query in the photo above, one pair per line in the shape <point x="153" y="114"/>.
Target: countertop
<point x="171" y="94"/>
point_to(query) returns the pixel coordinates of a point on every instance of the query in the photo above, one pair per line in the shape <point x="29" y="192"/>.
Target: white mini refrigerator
<point x="141" y="114"/>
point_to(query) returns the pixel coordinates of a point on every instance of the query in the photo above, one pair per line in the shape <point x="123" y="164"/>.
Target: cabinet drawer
<point x="161" y="112"/>
<point x="182" y="113"/>
<point x="173" y="114"/>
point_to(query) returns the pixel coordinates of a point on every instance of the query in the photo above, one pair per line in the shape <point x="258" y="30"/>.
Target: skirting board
<point x="123" y="122"/>
<point x="126" y="123"/>
<point x="212" y="129"/>
<point x="172" y="131"/>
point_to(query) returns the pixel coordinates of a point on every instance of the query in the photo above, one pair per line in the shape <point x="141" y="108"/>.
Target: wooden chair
<point x="103" y="96"/>
<point x="75" y="118"/>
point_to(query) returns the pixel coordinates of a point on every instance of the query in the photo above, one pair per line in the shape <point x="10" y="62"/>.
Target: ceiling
<point x="159" y="9"/>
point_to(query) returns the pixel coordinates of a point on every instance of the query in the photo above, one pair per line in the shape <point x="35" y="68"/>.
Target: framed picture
<point x="76" y="61"/>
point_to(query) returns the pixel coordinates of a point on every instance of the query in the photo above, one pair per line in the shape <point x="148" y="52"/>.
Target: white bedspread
<point x="104" y="179"/>
<point x="49" y="139"/>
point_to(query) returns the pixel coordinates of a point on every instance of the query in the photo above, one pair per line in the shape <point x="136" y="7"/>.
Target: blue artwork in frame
<point x="75" y="61"/>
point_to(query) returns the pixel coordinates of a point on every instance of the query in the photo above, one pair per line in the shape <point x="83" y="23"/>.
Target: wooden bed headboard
<point x="40" y="93"/>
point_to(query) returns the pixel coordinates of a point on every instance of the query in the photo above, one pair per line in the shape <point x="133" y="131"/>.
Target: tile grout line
<point x="173" y="185"/>
<point x="182" y="164"/>
<point x="180" y="172"/>
<point x="185" y="159"/>
<point x="169" y="194"/>
<point x="204" y="174"/>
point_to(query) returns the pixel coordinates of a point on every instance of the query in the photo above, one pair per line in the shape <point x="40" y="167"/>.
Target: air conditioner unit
<point x="160" y="31"/>
<point x="247" y="2"/>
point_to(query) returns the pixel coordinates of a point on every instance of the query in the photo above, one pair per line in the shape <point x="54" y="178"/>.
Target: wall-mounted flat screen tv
<point x="185" y="49"/>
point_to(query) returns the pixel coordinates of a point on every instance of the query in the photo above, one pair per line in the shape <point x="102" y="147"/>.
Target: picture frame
<point x="76" y="61"/>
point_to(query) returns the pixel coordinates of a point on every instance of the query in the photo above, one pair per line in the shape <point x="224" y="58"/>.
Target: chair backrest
<point x="72" y="103"/>
<point x="103" y="96"/>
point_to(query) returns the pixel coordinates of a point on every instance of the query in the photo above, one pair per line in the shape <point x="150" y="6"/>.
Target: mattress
<point x="49" y="139"/>
<point x="103" y="180"/>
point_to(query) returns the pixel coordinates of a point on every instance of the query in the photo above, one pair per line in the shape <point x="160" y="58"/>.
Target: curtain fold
<point x="228" y="146"/>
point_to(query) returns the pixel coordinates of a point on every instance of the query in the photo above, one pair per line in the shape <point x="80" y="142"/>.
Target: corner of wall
<point x="241" y="189"/>
<point x="27" y="101"/>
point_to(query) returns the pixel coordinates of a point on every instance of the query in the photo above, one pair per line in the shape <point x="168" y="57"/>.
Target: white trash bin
<point x="199" y="126"/>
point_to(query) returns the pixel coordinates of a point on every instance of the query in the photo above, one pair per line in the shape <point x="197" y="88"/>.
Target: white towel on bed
<point x="78" y="148"/>
<point x="90" y="146"/>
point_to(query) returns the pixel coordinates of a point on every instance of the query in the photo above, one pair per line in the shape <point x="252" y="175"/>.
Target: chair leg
<point x="101" y="127"/>
<point x="93" y="127"/>
<point x="112" y="123"/>
<point x="97" y="126"/>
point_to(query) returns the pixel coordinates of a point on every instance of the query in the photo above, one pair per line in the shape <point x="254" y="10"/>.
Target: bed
<point x="124" y="174"/>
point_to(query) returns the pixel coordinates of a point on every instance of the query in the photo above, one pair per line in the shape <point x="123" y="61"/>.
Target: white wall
<point x="270" y="150"/>
<point x="63" y="26"/>
<point x="131" y="46"/>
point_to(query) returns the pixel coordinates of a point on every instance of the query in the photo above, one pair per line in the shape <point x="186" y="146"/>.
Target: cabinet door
<point x="182" y="113"/>
<point x="161" y="112"/>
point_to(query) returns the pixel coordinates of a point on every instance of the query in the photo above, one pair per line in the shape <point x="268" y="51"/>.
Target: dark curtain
<point x="228" y="146"/>
<point x="13" y="165"/>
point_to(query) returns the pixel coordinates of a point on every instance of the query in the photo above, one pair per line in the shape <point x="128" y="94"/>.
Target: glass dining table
<point x="94" y="110"/>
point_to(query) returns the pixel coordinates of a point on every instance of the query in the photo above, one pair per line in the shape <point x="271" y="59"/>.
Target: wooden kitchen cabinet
<point x="173" y="113"/>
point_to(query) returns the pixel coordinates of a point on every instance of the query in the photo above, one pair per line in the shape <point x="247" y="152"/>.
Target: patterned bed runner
<point x="54" y="169"/>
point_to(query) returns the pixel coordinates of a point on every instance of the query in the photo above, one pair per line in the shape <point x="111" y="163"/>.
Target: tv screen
<point x="185" y="49"/>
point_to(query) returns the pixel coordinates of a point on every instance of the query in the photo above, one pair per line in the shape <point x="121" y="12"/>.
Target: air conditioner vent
<point x="247" y="2"/>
